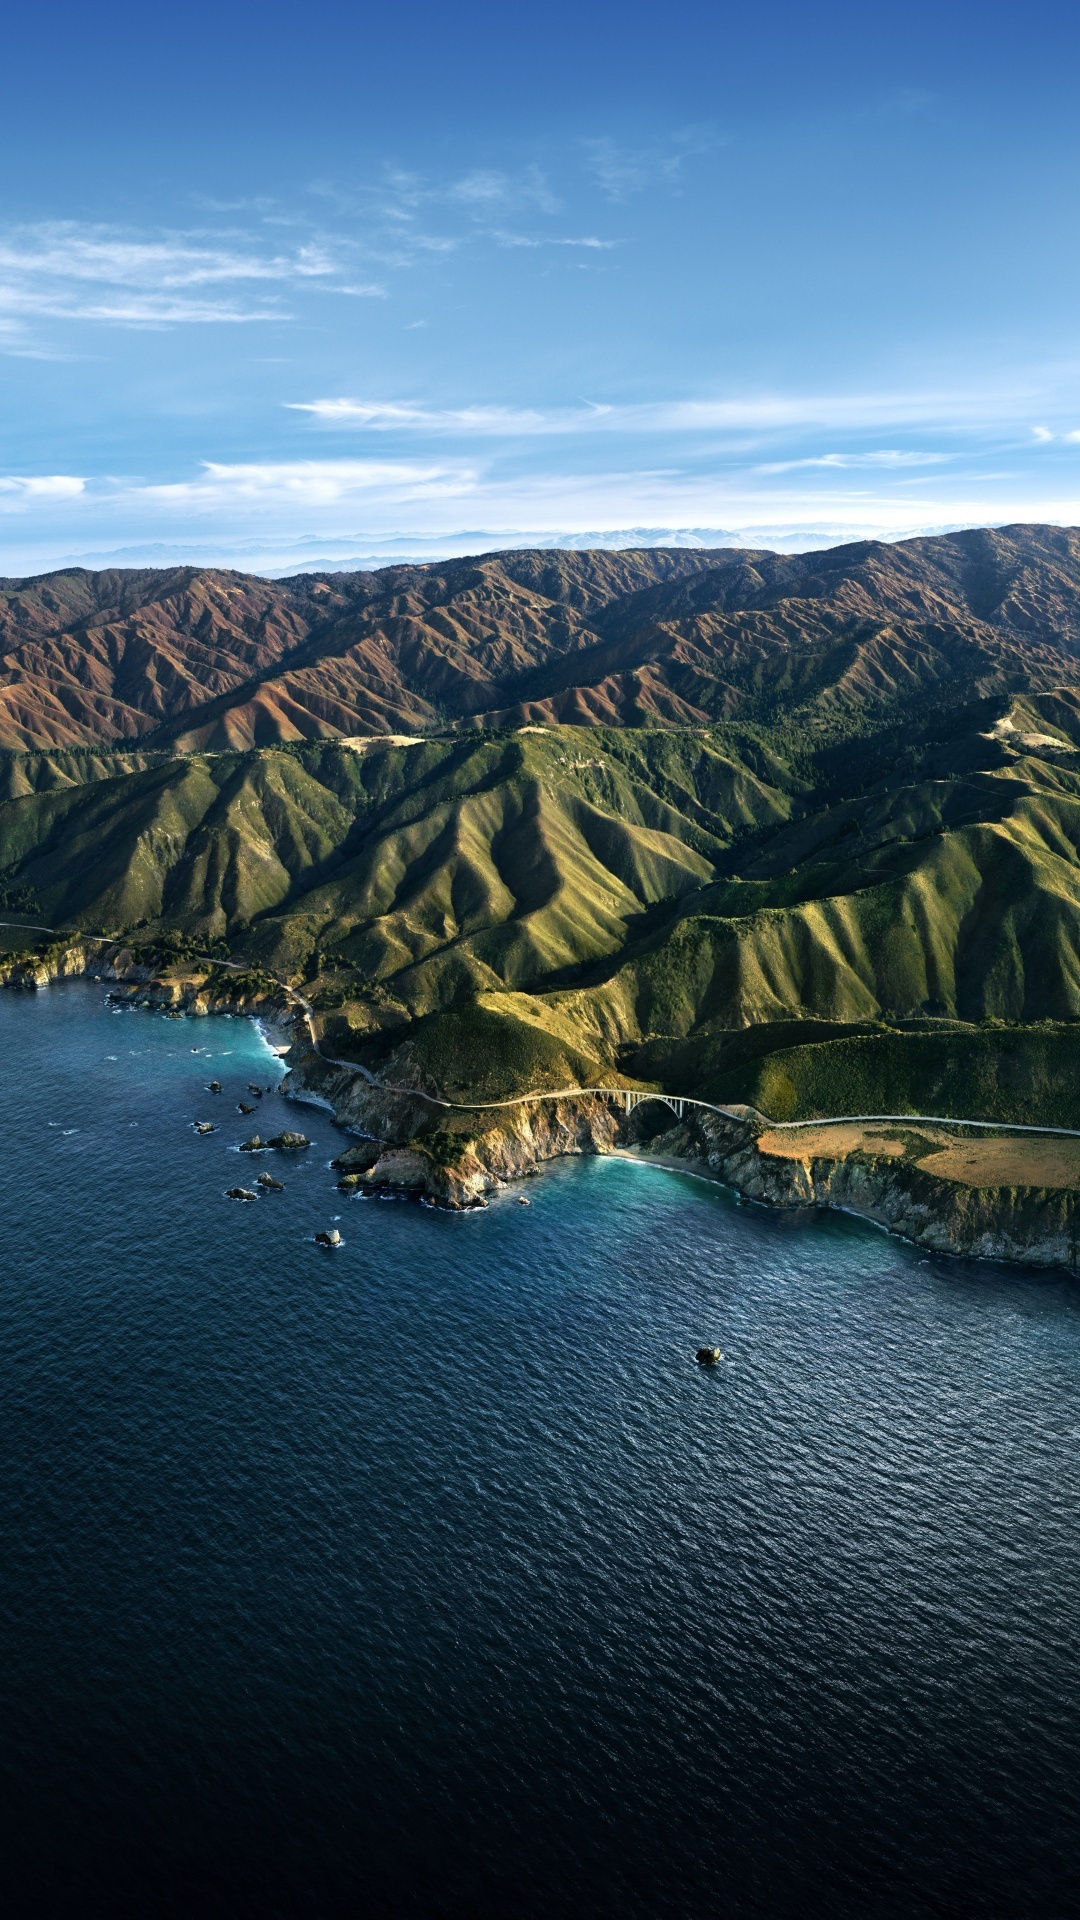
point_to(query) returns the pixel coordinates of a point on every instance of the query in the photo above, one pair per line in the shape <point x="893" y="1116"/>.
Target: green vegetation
<point x="790" y="830"/>
<point x="18" y="896"/>
<point x="490" y="1049"/>
<point x="444" y="1147"/>
<point x="1029" y="1076"/>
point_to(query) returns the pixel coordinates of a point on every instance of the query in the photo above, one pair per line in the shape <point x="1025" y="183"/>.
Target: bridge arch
<point x="630" y="1099"/>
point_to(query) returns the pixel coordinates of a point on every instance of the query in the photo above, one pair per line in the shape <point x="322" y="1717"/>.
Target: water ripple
<point x="436" y="1579"/>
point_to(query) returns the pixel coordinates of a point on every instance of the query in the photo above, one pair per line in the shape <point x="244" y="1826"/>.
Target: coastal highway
<point x="631" y="1095"/>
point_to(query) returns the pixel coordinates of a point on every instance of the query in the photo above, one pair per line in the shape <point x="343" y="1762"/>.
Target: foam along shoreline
<point x="1008" y="1193"/>
<point x="982" y="1195"/>
<point x="995" y="1196"/>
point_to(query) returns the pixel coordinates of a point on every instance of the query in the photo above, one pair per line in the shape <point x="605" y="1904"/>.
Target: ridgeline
<point x="800" y="832"/>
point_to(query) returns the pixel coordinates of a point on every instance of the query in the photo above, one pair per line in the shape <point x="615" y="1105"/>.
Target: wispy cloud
<point x="403" y="215"/>
<point x="305" y="484"/>
<point x="391" y="416"/>
<point x="139" y="310"/>
<point x="881" y="457"/>
<point x="485" y="188"/>
<point x="61" y="270"/>
<point x="1064" y="436"/>
<point x="400" y="194"/>
<point x="619" y="170"/>
<point x="65" y="251"/>
<point x="276" y="506"/>
<point x="38" y="489"/>
<point x="755" y="414"/>
<point x="590" y="240"/>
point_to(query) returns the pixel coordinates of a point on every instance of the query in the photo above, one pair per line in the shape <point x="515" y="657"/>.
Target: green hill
<point x="869" y="823"/>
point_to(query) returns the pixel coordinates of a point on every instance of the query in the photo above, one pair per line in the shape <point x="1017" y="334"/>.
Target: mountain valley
<point x="797" y="830"/>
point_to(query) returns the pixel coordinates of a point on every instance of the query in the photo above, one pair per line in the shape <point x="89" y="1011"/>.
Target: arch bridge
<point x="628" y="1098"/>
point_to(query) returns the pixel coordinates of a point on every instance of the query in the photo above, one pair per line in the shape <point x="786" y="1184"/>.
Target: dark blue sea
<point x="432" y="1577"/>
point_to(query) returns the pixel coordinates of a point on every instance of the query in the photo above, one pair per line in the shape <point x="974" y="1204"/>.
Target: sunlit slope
<point x="644" y="886"/>
<point x="704" y="893"/>
<point x="847" y="812"/>
<point x="206" y="659"/>
<point x="976" y="921"/>
<point x="1029" y="1075"/>
<point x="110" y="657"/>
<point x="489" y="859"/>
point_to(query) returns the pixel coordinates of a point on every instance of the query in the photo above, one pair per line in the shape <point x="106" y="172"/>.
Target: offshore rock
<point x="475" y="1151"/>
<point x="288" y="1142"/>
<point x="1032" y="1226"/>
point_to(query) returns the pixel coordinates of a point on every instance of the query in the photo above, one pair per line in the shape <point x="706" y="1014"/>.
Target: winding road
<point x="630" y="1097"/>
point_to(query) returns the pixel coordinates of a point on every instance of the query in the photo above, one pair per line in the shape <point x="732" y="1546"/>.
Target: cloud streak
<point x="358" y="506"/>
<point x="763" y="413"/>
<point x="38" y="489"/>
<point x="388" y="416"/>
<point x="60" y="270"/>
<point x="889" y="457"/>
<point x="305" y="484"/>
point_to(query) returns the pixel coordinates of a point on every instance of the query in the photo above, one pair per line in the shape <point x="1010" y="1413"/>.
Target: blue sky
<point x="279" y="284"/>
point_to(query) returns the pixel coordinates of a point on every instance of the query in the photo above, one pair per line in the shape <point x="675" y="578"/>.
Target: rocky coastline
<point x="412" y="1143"/>
<point x="452" y="1158"/>
<point x="145" y="977"/>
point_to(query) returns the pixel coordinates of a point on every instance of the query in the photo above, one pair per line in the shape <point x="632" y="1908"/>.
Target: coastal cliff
<point x="144" y="976"/>
<point x="1033" y="1226"/>
<point x="65" y="960"/>
<point x="454" y="1158"/>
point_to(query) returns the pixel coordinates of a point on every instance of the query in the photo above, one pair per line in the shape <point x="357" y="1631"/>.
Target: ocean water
<point x="432" y="1576"/>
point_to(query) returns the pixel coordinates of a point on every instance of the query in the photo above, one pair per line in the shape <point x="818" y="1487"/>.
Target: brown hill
<point x="201" y="658"/>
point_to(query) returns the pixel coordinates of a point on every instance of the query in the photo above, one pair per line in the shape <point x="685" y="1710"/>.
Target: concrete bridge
<point x="630" y="1097"/>
<point x="679" y="1103"/>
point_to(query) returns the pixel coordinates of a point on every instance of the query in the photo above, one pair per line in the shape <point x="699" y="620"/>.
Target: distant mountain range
<point x="198" y="657"/>
<point x="364" y="552"/>
<point x="661" y="810"/>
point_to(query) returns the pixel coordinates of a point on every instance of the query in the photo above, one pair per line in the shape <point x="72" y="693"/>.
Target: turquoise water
<point x="432" y="1577"/>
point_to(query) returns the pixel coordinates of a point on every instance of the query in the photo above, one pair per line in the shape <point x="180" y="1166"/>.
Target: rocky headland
<point x="998" y="1195"/>
<point x="144" y="976"/>
<point x="959" y="1203"/>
